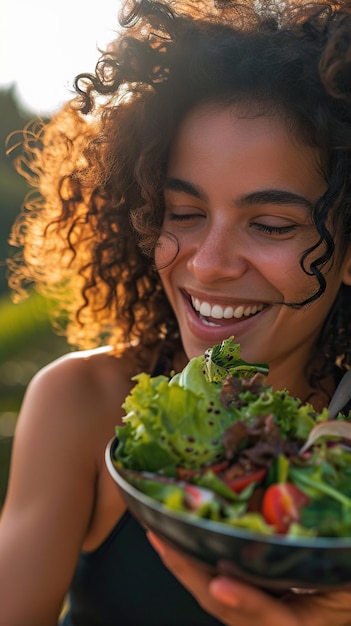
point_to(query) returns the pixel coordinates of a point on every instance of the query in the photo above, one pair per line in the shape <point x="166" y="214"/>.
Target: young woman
<point x="199" y="186"/>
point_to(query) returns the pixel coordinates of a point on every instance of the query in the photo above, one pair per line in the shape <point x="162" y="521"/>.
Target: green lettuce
<point x="180" y="420"/>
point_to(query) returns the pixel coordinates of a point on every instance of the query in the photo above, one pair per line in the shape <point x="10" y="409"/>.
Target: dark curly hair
<point x="87" y="236"/>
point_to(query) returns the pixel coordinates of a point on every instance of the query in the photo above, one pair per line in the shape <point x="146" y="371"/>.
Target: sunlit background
<point x="43" y="45"/>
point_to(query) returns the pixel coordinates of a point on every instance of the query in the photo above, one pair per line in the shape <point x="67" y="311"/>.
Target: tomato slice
<point x="281" y="505"/>
<point x="239" y="483"/>
<point x="183" y="473"/>
<point x="216" y="468"/>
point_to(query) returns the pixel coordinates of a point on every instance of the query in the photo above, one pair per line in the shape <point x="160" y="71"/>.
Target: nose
<point x="219" y="255"/>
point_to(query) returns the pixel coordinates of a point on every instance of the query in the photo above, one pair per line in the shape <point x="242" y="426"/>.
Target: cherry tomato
<point x="239" y="483"/>
<point x="281" y="505"/>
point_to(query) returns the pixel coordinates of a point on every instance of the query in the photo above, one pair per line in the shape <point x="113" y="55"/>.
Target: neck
<point x="294" y="377"/>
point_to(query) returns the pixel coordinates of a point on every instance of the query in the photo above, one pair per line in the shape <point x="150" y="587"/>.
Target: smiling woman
<point x="197" y="186"/>
<point x="266" y="207"/>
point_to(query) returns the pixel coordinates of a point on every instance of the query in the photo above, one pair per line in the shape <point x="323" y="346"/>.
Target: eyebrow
<point x="275" y="196"/>
<point x="264" y="196"/>
<point x="184" y="186"/>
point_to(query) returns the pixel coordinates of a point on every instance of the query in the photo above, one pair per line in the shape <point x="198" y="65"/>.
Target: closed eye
<point x="275" y="230"/>
<point x="183" y="217"/>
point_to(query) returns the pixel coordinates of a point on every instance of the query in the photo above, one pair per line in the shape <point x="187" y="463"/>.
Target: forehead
<point x="217" y="143"/>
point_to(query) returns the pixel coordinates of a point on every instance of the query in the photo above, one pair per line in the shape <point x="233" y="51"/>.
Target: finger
<point x="323" y="609"/>
<point x="228" y="600"/>
<point x="332" y="609"/>
<point x="156" y="543"/>
<point x="239" y="604"/>
<point x="250" y="599"/>
<point x="187" y="571"/>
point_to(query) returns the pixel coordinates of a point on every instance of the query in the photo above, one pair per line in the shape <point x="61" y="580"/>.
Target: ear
<point x="346" y="267"/>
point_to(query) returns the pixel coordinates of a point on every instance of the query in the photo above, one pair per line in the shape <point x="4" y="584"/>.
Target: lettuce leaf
<point x="181" y="420"/>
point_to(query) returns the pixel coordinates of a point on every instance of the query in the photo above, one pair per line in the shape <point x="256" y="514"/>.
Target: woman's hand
<point x="237" y="604"/>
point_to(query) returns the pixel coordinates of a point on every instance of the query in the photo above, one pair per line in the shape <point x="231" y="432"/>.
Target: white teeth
<point x="239" y="312"/>
<point x="207" y="323"/>
<point x="228" y="312"/>
<point x="205" y="309"/>
<point x="217" y="311"/>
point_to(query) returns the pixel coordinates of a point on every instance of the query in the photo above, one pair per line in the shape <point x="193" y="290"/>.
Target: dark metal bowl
<point x="275" y="563"/>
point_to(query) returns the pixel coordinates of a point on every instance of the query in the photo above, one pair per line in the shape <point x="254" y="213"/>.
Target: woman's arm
<point x="237" y="604"/>
<point x="50" y="494"/>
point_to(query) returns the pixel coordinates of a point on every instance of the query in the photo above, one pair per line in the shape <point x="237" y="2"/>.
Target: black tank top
<point x="124" y="583"/>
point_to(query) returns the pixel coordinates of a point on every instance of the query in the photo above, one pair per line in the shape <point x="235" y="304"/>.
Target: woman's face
<point x="238" y="200"/>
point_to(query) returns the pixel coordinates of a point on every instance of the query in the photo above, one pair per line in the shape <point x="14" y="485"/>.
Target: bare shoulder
<point x="88" y="384"/>
<point x="69" y="413"/>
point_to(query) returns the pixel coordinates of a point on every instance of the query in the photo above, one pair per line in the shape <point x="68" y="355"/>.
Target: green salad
<point x="217" y="442"/>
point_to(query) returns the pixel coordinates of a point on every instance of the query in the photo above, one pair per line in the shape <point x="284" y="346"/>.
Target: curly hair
<point x="87" y="235"/>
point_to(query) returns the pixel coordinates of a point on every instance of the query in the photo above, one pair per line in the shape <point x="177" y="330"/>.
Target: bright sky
<point x="44" y="44"/>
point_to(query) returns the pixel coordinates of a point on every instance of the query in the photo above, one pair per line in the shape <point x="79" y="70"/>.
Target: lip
<point x="224" y="327"/>
<point x="219" y="299"/>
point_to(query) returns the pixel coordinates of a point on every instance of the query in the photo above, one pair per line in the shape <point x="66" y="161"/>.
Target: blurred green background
<point x="27" y="341"/>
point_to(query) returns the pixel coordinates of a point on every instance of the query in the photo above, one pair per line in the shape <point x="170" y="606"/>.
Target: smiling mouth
<point x="208" y="312"/>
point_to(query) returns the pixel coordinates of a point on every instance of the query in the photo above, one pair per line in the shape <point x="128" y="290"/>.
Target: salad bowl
<point x="275" y="563"/>
<point x="248" y="480"/>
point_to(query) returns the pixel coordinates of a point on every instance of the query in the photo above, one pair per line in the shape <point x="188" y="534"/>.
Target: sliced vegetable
<point x="184" y="473"/>
<point x="281" y="505"/>
<point x="331" y="428"/>
<point x="239" y="483"/>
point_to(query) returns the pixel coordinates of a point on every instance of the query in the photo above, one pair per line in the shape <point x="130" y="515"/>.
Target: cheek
<point x="166" y="251"/>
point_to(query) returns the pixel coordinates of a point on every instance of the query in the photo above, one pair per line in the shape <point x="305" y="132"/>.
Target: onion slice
<point x="330" y="428"/>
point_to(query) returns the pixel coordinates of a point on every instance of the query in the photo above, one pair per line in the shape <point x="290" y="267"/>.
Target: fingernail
<point x="223" y="591"/>
<point x="156" y="543"/>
